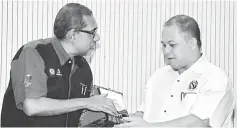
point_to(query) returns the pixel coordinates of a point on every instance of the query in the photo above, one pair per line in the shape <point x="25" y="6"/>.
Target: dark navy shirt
<point x="42" y="68"/>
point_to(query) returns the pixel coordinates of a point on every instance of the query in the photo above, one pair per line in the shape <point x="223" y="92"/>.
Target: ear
<point x="70" y="35"/>
<point x="193" y="43"/>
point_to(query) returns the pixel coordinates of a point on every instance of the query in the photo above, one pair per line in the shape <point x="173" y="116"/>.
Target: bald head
<point x="70" y="16"/>
<point x="187" y="25"/>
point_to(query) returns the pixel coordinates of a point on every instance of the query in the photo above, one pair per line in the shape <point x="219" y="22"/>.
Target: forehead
<point x="170" y="33"/>
<point x="90" y="22"/>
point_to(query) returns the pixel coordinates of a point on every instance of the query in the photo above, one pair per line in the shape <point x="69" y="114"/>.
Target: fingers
<point x="107" y="106"/>
<point x="101" y="103"/>
<point x="112" y="110"/>
<point x="110" y="105"/>
<point x="109" y="111"/>
<point x="125" y="125"/>
<point x="105" y="109"/>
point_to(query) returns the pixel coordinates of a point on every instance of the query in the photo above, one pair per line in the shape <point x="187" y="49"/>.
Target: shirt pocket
<point x="188" y="101"/>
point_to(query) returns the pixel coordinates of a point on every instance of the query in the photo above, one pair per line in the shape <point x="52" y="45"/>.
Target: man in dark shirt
<point x="51" y="82"/>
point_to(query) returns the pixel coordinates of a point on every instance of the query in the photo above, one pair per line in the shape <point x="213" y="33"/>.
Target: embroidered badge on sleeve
<point x="27" y="80"/>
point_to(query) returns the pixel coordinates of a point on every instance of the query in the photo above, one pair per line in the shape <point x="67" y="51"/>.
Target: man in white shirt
<point x="189" y="91"/>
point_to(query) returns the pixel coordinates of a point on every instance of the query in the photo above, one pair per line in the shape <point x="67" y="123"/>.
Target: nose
<point x="97" y="37"/>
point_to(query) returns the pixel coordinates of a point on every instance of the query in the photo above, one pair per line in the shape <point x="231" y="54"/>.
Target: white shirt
<point x="163" y="100"/>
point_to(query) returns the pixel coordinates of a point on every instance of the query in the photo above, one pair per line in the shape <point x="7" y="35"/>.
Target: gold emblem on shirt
<point x="27" y="80"/>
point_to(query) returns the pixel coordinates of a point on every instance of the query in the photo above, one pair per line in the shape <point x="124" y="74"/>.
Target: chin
<point x="85" y="53"/>
<point x="81" y="54"/>
<point x="88" y="53"/>
<point x="175" y="67"/>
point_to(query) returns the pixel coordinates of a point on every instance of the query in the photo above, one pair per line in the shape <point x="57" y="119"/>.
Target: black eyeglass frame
<point x="92" y="32"/>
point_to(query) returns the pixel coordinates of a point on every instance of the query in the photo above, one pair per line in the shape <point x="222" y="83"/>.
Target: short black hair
<point x="70" y="16"/>
<point x="186" y="24"/>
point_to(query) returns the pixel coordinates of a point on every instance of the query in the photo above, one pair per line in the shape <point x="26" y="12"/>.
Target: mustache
<point x="94" y="46"/>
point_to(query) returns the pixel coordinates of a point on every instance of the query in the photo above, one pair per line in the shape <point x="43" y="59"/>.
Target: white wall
<point x="130" y="37"/>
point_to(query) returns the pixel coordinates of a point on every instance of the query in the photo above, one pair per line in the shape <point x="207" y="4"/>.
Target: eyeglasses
<point x="93" y="32"/>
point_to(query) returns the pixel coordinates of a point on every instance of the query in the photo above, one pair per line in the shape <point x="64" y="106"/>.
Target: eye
<point x="94" y="31"/>
<point x="164" y="45"/>
<point x="172" y="45"/>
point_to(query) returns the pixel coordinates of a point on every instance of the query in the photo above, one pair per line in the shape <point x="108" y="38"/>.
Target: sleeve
<point x="223" y="113"/>
<point x="210" y="96"/>
<point x="28" y="77"/>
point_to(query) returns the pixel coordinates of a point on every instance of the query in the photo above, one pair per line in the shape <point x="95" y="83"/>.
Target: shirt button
<point x="164" y="110"/>
<point x="69" y="61"/>
<point x="178" y="80"/>
<point x="172" y="95"/>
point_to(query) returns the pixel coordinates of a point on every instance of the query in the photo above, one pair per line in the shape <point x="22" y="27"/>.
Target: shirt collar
<point x="199" y="65"/>
<point x="62" y="54"/>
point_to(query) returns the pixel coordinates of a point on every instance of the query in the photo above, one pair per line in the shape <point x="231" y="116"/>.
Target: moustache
<point x="94" y="47"/>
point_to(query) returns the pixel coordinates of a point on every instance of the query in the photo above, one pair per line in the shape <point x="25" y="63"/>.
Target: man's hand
<point x="101" y="103"/>
<point x="48" y="107"/>
<point x="133" y="120"/>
